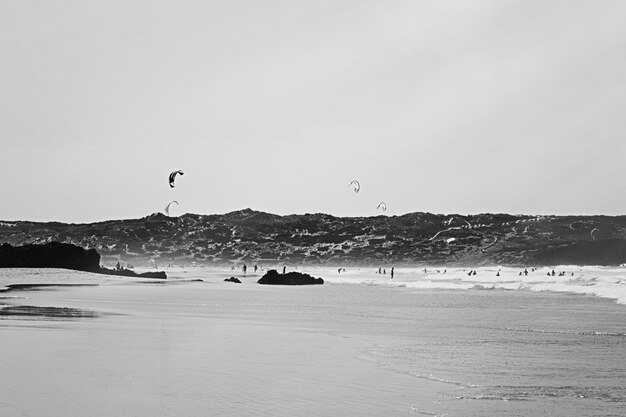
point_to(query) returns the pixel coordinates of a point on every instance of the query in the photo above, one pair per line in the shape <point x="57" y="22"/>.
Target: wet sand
<point x="193" y="348"/>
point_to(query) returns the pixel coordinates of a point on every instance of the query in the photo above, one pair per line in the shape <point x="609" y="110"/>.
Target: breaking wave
<point x="604" y="282"/>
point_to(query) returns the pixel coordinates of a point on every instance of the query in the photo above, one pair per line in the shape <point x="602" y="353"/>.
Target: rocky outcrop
<point x="132" y="274"/>
<point x="233" y="279"/>
<point x="272" y="277"/>
<point x="49" y="255"/>
<point x="62" y="255"/>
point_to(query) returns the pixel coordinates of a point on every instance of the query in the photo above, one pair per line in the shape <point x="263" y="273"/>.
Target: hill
<point x="321" y="239"/>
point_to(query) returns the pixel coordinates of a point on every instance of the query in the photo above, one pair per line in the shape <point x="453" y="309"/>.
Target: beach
<point x="426" y="343"/>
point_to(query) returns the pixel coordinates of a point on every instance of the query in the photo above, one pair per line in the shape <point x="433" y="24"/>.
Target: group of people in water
<point x="244" y="268"/>
<point x="384" y="271"/>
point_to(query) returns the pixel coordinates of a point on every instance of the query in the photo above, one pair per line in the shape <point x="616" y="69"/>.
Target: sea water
<point x="422" y="343"/>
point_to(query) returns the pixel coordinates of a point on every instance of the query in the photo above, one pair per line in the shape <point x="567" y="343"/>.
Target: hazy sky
<point x="440" y="106"/>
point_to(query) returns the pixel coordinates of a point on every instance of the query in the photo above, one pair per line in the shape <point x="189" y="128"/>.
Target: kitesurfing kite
<point x="167" y="208"/>
<point x="173" y="177"/>
<point x="382" y="205"/>
<point x="356" y="184"/>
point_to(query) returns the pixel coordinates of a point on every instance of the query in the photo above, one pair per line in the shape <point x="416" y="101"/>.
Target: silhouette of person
<point x="255" y="267"/>
<point x="525" y="271"/>
<point x="392" y="272"/>
<point x="245" y="268"/>
<point x="284" y="269"/>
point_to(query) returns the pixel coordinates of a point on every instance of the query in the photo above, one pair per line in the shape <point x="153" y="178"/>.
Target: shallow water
<point x="358" y="345"/>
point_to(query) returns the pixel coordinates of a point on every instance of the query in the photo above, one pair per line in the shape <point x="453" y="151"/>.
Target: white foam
<point x="605" y="282"/>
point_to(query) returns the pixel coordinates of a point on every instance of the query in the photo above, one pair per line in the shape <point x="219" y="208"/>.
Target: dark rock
<point x="49" y="255"/>
<point x="133" y="274"/>
<point x="62" y="255"/>
<point x="272" y="277"/>
<point x="232" y="279"/>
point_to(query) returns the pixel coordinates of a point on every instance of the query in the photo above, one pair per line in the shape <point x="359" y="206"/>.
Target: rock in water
<point x="272" y="277"/>
<point x="49" y="255"/>
<point x="62" y="255"/>
<point x="233" y="279"/>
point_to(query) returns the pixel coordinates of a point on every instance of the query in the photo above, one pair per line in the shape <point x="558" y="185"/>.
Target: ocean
<point x="439" y="342"/>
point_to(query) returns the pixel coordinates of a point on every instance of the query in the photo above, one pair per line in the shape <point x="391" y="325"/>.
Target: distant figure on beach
<point x="474" y="273"/>
<point x="245" y="268"/>
<point x="255" y="267"/>
<point x="553" y="272"/>
<point x="525" y="271"/>
<point x="384" y="271"/>
<point x="339" y="271"/>
<point x="392" y="272"/>
<point x="284" y="269"/>
<point x="469" y="274"/>
<point x="380" y="270"/>
<point x="117" y="266"/>
<point x="498" y="273"/>
<point x="445" y="270"/>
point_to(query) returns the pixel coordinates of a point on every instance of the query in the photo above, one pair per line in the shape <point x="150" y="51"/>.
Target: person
<point x="255" y="267"/>
<point x="384" y="271"/>
<point x="380" y="270"/>
<point x="339" y="271"/>
<point x="474" y="273"/>
<point x="392" y="272"/>
<point x="284" y="269"/>
<point x="553" y="272"/>
<point x="245" y="268"/>
<point x="117" y="266"/>
<point x="525" y="271"/>
<point x="498" y="273"/>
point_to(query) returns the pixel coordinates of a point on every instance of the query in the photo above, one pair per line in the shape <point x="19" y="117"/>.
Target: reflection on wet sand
<point x="46" y="312"/>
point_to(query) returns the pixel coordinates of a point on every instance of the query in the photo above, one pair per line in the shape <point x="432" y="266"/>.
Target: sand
<point x="357" y="345"/>
<point x="194" y="349"/>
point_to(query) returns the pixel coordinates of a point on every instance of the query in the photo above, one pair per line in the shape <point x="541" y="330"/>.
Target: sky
<point x="439" y="106"/>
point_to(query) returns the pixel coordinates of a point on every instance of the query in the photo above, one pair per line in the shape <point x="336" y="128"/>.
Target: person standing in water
<point x="255" y="267"/>
<point x="245" y="268"/>
<point x="392" y="272"/>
